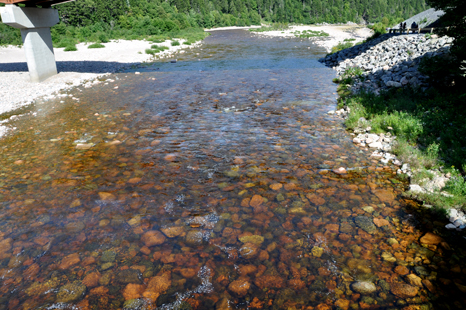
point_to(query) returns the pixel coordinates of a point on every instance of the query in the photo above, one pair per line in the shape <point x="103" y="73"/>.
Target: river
<point x="210" y="183"/>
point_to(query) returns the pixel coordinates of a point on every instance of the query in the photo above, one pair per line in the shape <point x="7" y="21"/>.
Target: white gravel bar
<point x="74" y="68"/>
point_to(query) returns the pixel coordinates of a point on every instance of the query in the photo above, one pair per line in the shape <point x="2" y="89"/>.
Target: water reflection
<point x="205" y="189"/>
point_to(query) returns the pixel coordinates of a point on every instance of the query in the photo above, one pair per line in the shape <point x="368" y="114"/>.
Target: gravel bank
<point x="337" y="33"/>
<point x="74" y="68"/>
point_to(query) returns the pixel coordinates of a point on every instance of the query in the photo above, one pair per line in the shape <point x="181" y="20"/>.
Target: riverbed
<point x="217" y="181"/>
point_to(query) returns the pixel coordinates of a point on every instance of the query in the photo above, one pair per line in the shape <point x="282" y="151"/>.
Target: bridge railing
<point x="414" y="30"/>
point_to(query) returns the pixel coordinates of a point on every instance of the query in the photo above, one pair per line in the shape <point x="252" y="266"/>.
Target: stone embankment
<point x="389" y="61"/>
<point x="392" y="61"/>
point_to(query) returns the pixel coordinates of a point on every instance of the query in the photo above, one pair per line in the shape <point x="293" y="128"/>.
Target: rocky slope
<point x="390" y="60"/>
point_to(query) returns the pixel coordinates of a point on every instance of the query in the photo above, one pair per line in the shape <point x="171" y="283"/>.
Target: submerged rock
<point x="365" y="223"/>
<point x="71" y="292"/>
<point x="364" y="287"/>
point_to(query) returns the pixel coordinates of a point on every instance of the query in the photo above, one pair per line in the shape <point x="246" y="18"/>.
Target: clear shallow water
<point x="208" y="184"/>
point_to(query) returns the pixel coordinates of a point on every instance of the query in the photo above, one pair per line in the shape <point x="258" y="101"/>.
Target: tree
<point x="456" y="19"/>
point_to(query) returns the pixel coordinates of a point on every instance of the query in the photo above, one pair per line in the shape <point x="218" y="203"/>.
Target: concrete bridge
<point x="35" y="24"/>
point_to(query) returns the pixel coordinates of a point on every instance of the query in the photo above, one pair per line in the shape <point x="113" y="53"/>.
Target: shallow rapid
<point x="209" y="183"/>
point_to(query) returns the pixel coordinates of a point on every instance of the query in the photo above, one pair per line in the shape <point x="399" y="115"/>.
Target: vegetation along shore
<point x="402" y="97"/>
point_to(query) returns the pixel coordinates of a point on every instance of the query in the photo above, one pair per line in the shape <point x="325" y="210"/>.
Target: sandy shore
<point x="75" y="68"/>
<point x="336" y="33"/>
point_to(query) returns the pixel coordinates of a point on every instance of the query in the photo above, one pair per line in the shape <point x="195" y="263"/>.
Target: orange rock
<point x="31" y="271"/>
<point x="276" y="186"/>
<point x="256" y="201"/>
<point x="69" y="261"/>
<point x="145" y="250"/>
<point x="401" y="270"/>
<point x="380" y="222"/>
<point x="342" y="303"/>
<point x="155" y="142"/>
<point x="5" y="245"/>
<point x="41" y="241"/>
<point x="88" y="261"/>
<point x="134" y="180"/>
<point x="334" y="228"/>
<point x="429" y="285"/>
<point x="384" y="195"/>
<point x="92" y="279"/>
<point x="245" y="202"/>
<point x="323" y="307"/>
<point x="290" y="186"/>
<point x="323" y="271"/>
<point x="269" y="281"/>
<point x="157" y="285"/>
<point x="245" y="270"/>
<point x="296" y="284"/>
<point x="173" y="231"/>
<point x="431" y="239"/>
<point x="106" y="196"/>
<point x="240" y="286"/>
<point x="101" y="290"/>
<point x="188" y="272"/>
<point x="170" y="157"/>
<point x="153" y="237"/>
<point x="263" y="255"/>
<point x="313" y="198"/>
<point x="133" y="291"/>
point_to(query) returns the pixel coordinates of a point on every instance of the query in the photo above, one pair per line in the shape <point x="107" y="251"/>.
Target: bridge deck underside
<point x="43" y="3"/>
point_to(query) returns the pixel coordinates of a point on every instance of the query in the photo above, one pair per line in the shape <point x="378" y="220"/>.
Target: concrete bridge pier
<point x="35" y="26"/>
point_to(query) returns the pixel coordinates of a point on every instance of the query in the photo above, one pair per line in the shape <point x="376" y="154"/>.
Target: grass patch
<point x="310" y="34"/>
<point x="71" y="48"/>
<point x="96" y="45"/>
<point x="430" y="132"/>
<point x="154" y="49"/>
<point x="175" y="43"/>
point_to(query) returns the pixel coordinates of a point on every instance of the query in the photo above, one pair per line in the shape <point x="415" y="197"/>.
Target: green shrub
<point x="103" y="38"/>
<point x="175" y="43"/>
<point x="151" y="51"/>
<point x="96" y="45"/>
<point x="71" y="48"/>
<point x="341" y="46"/>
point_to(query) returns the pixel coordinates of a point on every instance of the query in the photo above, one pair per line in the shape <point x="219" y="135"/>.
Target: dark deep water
<point x="208" y="184"/>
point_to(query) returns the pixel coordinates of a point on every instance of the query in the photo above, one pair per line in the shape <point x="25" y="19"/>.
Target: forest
<point x="97" y="20"/>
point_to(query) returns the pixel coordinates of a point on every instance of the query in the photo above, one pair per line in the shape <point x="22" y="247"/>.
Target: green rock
<point x="256" y="239"/>
<point x="317" y="251"/>
<point x="222" y="185"/>
<point x="225" y="216"/>
<point x="368" y="209"/>
<point x="129" y="276"/>
<point x="106" y="266"/>
<point x="365" y="223"/>
<point x="108" y="256"/>
<point x="133" y="304"/>
<point x="279" y="210"/>
<point x="297" y="204"/>
<point x="71" y="292"/>
<point x="232" y="174"/>
<point x="280" y="197"/>
<point x="388" y="257"/>
<point x="297" y="210"/>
